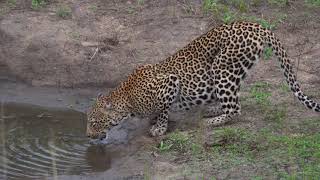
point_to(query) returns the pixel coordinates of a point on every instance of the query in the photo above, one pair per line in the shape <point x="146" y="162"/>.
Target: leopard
<point x="209" y="69"/>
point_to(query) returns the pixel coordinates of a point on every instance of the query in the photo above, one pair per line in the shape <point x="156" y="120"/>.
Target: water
<point x="36" y="143"/>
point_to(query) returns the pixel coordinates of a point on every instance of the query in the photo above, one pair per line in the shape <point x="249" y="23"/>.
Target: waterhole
<point x="38" y="142"/>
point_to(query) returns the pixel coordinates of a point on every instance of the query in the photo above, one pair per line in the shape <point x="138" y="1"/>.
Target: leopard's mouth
<point x="100" y="139"/>
<point x="102" y="136"/>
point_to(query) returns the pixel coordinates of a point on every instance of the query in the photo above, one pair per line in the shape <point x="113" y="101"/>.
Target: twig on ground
<point x="94" y="54"/>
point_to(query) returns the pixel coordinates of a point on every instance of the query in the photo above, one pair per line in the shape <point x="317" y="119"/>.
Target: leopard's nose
<point x="88" y="135"/>
<point x="103" y="136"/>
<point x="91" y="135"/>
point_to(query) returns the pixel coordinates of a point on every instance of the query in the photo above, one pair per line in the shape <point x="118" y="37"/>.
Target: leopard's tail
<point x="288" y="71"/>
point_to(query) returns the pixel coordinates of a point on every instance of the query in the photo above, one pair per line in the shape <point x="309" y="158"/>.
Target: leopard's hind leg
<point x="228" y="76"/>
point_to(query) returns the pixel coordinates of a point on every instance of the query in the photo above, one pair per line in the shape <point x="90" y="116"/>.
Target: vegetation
<point x="140" y="2"/>
<point x="259" y="93"/>
<point x="284" y="87"/>
<point x="313" y="3"/>
<point x="93" y="8"/>
<point x="63" y="11"/>
<point x="9" y="4"/>
<point x="228" y="11"/>
<point x="74" y="35"/>
<point x="238" y="146"/>
<point x="180" y="142"/>
<point x="36" y="4"/>
<point x="12" y="3"/>
<point x="280" y="3"/>
<point x="267" y="53"/>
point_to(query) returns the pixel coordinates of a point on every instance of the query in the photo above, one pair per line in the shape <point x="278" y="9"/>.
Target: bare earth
<point x="55" y="60"/>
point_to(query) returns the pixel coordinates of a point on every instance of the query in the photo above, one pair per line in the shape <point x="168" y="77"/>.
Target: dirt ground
<point x="43" y="49"/>
<point x="75" y="48"/>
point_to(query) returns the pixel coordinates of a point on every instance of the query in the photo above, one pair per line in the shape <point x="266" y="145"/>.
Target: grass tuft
<point x="259" y="93"/>
<point x="36" y="4"/>
<point x="11" y="3"/>
<point x="267" y="54"/>
<point x="281" y="3"/>
<point x="313" y="3"/>
<point x="302" y="150"/>
<point x="180" y="142"/>
<point x="63" y="11"/>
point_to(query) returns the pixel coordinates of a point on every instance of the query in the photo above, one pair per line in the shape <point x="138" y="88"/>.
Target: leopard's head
<point x="102" y="117"/>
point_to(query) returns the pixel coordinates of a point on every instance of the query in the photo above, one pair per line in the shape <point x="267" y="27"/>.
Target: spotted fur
<point x="209" y="69"/>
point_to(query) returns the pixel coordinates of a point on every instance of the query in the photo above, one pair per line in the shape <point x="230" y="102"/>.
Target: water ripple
<point x="36" y="147"/>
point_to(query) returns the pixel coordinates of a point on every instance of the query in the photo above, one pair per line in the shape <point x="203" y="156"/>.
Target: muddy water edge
<point x="43" y="137"/>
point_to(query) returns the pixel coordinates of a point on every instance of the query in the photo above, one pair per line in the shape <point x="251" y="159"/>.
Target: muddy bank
<point x="96" y="44"/>
<point x="76" y="98"/>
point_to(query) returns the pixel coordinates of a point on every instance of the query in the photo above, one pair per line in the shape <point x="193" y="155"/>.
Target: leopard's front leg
<point x="161" y="125"/>
<point x="167" y="94"/>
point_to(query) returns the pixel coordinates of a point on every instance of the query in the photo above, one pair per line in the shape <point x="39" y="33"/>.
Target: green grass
<point x="180" y="142"/>
<point x="259" y="93"/>
<point x="272" y="153"/>
<point x="177" y="141"/>
<point x="276" y="115"/>
<point x="12" y="3"/>
<point x="270" y="149"/>
<point x="3" y="11"/>
<point x="164" y="146"/>
<point x="229" y="11"/>
<point x="307" y="126"/>
<point x="269" y="24"/>
<point x="280" y="3"/>
<point x="257" y="178"/>
<point x="240" y="5"/>
<point x="9" y="4"/>
<point x="74" y="35"/>
<point x="267" y="54"/>
<point x="222" y="11"/>
<point x="228" y="17"/>
<point x="265" y="23"/>
<point x="315" y="3"/>
<point x="63" y="11"/>
<point x="93" y="8"/>
<point x="147" y="173"/>
<point x="209" y="5"/>
<point x="140" y="2"/>
<point x="284" y="87"/>
<point x="36" y="4"/>
<point x="302" y="151"/>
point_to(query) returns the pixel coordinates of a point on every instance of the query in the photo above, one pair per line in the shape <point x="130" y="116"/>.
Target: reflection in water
<point x="98" y="157"/>
<point x="37" y="142"/>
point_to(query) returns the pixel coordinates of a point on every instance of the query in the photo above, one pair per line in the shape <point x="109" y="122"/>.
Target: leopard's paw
<point x="157" y="131"/>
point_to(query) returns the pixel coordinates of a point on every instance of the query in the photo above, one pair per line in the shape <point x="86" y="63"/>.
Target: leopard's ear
<point x="99" y="95"/>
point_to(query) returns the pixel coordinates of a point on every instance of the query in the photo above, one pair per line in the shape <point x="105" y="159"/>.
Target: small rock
<point x="154" y="154"/>
<point x="89" y="44"/>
